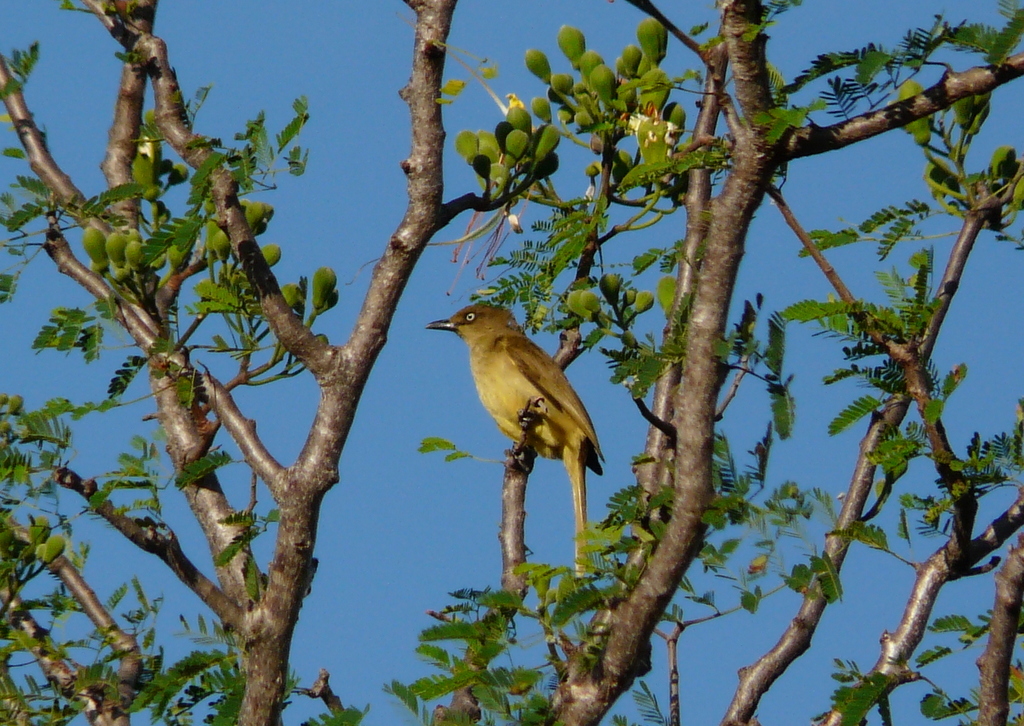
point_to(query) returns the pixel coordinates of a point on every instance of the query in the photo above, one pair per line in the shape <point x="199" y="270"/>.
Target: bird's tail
<point x="575" y="460"/>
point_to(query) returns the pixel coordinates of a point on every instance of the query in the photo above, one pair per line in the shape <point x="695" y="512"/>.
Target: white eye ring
<point x="470" y="317"/>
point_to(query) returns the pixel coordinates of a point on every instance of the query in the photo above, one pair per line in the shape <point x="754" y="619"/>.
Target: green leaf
<point x="869" y="534"/>
<point x="200" y="468"/>
<point x="853" y="413"/>
<point x="827" y="578"/>
<point x="576" y="603"/>
<point x="647" y="705"/>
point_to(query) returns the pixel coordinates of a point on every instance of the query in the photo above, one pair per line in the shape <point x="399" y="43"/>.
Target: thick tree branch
<point x="994" y="663"/>
<point x="953" y="86"/>
<point x="164" y="544"/>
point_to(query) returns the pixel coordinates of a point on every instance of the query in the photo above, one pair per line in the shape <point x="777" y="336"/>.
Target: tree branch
<point x="163" y="545"/>
<point x="953" y="86"/>
<point x="994" y="663"/>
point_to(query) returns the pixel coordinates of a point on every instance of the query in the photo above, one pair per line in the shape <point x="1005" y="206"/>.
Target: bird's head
<point x="477" y="321"/>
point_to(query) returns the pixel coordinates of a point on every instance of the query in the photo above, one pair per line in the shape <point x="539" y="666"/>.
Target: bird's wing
<point x="537" y="367"/>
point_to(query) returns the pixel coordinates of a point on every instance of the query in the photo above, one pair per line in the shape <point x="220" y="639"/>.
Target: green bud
<point x="545" y="140"/>
<point x="583" y="118"/>
<point x="6" y="542"/>
<point x="15" y="404"/>
<point x="253" y="212"/>
<point x="271" y="253"/>
<point x="143" y="171"/>
<point x="219" y="244"/>
<point x="520" y="119"/>
<point x="584" y="303"/>
<point x="120" y="274"/>
<point x="629" y="297"/>
<point x="572" y="43"/>
<point x="51" y="549"/>
<point x="116" y="244"/>
<point x="325" y="280"/>
<point x="177" y="175"/>
<point x="628" y="339"/>
<point x="175" y="256"/>
<point x="565" y="114"/>
<point x="541" y="108"/>
<point x="588" y="62"/>
<point x="99" y="267"/>
<point x="655" y="87"/>
<point x="517" y="144"/>
<point x="4" y="398"/>
<point x="293" y="296"/>
<point x="562" y="83"/>
<point x="621" y="164"/>
<point x="538" y="65"/>
<point x="644" y="301"/>
<point x="675" y="114"/>
<point x="467" y="145"/>
<point x="1018" y="194"/>
<point x="95" y="243"/>
<point x="602" y="80"/>
<point x="630" y="61"/>
<point x="593" y="169"/>
<point x="653" y="39"/>
<point x="133" y="254"/>
<point x="610" y="285"/>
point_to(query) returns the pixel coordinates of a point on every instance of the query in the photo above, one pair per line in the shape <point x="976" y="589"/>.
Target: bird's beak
<point x="442" y="325"/>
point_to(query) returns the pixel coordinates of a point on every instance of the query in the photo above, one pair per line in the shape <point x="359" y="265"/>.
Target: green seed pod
<point x="538" y="65"/>
<point x="644" y="301"/>
<point x="517" y="144"/>
<point x="562" y="83"/>
<point x="95" y="243"/>
<point x="271" y="253"/>
<point x="588" y="62"/>
<point x="133" y="254"/>
<point x="1004" y="163"/>
<point x="541" y="109"/>
<point x="572" y="42"/>
<point x="116" y="244"/>
<point x="963" y="111"/>
<point x="622" y="162"/>
<point x="520" y="119"/>
<point x="546" y="166"/>
<point x="602" y="80"/>
<point x="293" y="296"/>
<point x="544" y="141"/>
<point x="655" y="88"/>
<point x="610" y="285"/>
<point x="176" y="256"/>
<point x="630" y="61"/>
<point x="325" y="281"/>
<point x="583" y="118"/>
<point x="467" y="145"/>
<point x="653" y="39"/>
<point x="15" y="404"/>
<point x="51" y="549"/>
<point x="666" y="292"/>
<point x="254" y="211"/>
<point x="143" y="171"/>
<point x="219" y="244"/>
<point x="482" y="166"/>
<point x="675" y="114"/>
<point x="583" y="303"/>
<point x="489" y="145"/>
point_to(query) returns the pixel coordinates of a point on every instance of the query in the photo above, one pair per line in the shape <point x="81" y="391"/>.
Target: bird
<point x="514" y="375"/>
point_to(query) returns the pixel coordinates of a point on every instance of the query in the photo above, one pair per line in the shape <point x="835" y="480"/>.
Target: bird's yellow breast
<point x="505" y="392"/>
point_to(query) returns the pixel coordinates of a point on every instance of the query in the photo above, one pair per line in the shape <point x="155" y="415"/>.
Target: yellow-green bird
<point x="513" y="373"/>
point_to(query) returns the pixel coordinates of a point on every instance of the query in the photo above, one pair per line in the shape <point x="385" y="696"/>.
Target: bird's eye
<point x="470" y="317"/>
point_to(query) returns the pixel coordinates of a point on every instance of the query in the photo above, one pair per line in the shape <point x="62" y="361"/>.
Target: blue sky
<point x="402" y="529"/>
